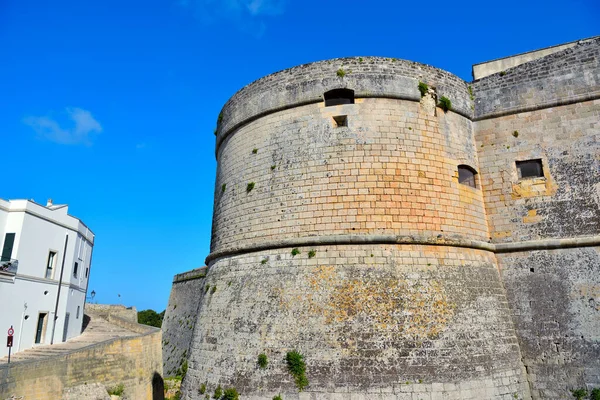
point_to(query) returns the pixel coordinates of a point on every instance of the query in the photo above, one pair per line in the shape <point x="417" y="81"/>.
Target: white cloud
<point x="246" y="15"/>
<point x="80" y="129"/>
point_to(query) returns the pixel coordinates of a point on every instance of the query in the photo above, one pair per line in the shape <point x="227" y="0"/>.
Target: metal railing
<point x="8" y="266"/>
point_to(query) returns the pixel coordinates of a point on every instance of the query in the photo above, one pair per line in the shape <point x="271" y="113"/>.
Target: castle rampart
<point x="402" y="249"/>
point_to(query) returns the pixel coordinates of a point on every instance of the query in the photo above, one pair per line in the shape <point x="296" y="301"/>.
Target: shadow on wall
<point x="158" y="387"/>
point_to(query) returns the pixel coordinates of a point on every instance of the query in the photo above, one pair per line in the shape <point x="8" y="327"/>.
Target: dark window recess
<point x="75" y="269"/>
<point x="340" y="120"/>
<point x="339" y="96"/>
<point x="7" y="248"/>
<point x="466" y="176"/>
<point x="530" y="169"/>
<point x="87" y="270"/>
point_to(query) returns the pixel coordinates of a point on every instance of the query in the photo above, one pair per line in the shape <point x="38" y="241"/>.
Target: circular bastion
<point x="341" y="232"/>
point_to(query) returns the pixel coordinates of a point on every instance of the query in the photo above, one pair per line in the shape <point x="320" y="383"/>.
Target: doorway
<point x="40" y="332"/>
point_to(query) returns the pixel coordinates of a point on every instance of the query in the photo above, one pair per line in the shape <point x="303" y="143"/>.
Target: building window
<point x="50" y="265"/>
<point x="75" y="270"/>
<point x="77" y="314"/>
<point x="7" y="247"/>
<point x="530" y="169"/>
<point x="339" y="96"/>
<point x="466" y="176"/>
<point x="87" y="271"/>
<point x="340" y="120"/>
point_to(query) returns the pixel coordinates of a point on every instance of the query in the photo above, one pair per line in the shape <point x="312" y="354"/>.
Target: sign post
<point x="9" y="341"/>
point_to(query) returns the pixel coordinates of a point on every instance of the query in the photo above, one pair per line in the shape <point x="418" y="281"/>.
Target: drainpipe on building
<point x="21" y="328"/>
<point x="62" y="269"/>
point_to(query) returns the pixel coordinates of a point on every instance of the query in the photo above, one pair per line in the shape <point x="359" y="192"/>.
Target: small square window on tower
<point x="340" y="120"/>
<point x="529" y="169"/>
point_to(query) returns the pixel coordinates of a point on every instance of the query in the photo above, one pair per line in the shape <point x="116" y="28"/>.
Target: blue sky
<point x="110" y="106"/>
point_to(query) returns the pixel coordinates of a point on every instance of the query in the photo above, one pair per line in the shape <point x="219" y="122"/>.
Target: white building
<point x="40" y="246"/>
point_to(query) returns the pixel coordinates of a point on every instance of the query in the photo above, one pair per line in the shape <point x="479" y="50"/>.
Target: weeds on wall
<point x="264" y="260"/>
<point x="595" y="395"/>
<point x="202" y="388"/>
<point x="116" y="390"/>
<point x="254" y="151"/>
<point x="249" y="187"/>
<point x="230" y="394"/>
<point x="515" y="133"/>
<point x="223" y="187"/>
<point x="278" y="397"/>
<point x="445" y="103"/>
<point x="423" y="88"/>
<point x="213" y="290"/>
<point x="206" y="288"/>
<point x="579" y="394"/>
<point x="295" y="252"/>
<point x="273" y="167"/>
<point x="340" y="73"/>
<point x="220" y="118"/>
<point x="312" y="253"/>
<point x="262" y="361"/>
<point x="471" y="92"/>
<point x="218" y="392"/>
<point x="502" y="73"/>
<point x="360" y="59"/>
<point x="297" y="367"/>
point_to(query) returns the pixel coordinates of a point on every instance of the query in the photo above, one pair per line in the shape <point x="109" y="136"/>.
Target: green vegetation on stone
<point x="297" y="367"/>
<point x="202" y="389"/>
<point x="278" y="397"/>
<point x="312" y="253"/>
<point x="595" y="395"/>
<point x="116" y="390"/>
<point x="262" y="361"/>
<point x="423" y="88"/>
<point x="214" y="289"/>
<point x="340" y="73"/>
<point x="445" y="104"/>
<point x="223" y="187"/>
<point x="295" y="252"/>
<point x="254" y="150"/>
<point x="218" y="392"/>
<point x="249" y="187"/>
<point x="230" y="394"/>
<point x="579" y="394"/>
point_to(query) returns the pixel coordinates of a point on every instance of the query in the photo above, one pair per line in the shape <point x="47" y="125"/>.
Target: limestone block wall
<point x="180" y="318"/>
<point x="555" y="300"/>
<point x="392" y="171"/>
<point x="132" y="361"/>
<point x="566" y="201"/>
<point x="379" y="321"/>
<point x="116" y="310"/>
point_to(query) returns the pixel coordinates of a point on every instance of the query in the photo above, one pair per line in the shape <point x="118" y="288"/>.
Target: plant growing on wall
<point x="249" y="187"/>
<point x="262" y="361"/>
<point x="254" y="150"/>
<point x="218" y="392"/>
<point x="445" y="103"/>
<point x="515" y="133"/>
<point x="297" y="367"/>
<point x="278" y="397"/>
<point x="340" y="73"/>
<point x="223" y="187"/>
<point x="579" y="394"/>
<point x="595" y="395"/>
<point x="116" y="390"/>
<point x="220" y="118"/>
<point x="312" y="253"/>
<point x="295" y="252"/>
<point x="214" y="289"/>
<point x="423" y="88"/>
<point x="230" y="394"/>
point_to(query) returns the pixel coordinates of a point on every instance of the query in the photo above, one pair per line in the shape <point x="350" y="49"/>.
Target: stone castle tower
<point x="406" y="251"/>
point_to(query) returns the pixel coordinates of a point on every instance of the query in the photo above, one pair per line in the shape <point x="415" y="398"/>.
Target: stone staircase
<point x="98" y="330"/>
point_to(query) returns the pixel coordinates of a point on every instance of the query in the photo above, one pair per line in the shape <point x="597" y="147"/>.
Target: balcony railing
<point x="8" y="266"/>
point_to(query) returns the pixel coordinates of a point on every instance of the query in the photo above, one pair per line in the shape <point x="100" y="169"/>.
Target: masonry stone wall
<point x="116" y="310"/>
<point x="555" y="299"/>
<point x="391" y="321"/>
<point x="180" y="317"/>
<point x="131" y="361"/>
<point x="570" y="75"/>
<point x="391" y="171"/>
<point x="356" y="245"/>
<point x="566" y="201"/>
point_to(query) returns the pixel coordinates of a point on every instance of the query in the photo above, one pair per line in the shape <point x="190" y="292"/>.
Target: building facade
<point x="44" y="272"/>
<point x="411" y="235"/>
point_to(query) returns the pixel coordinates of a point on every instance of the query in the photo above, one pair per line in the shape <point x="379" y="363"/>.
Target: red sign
<point x="9" y="341"/>
<point x="11" y="331"/>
